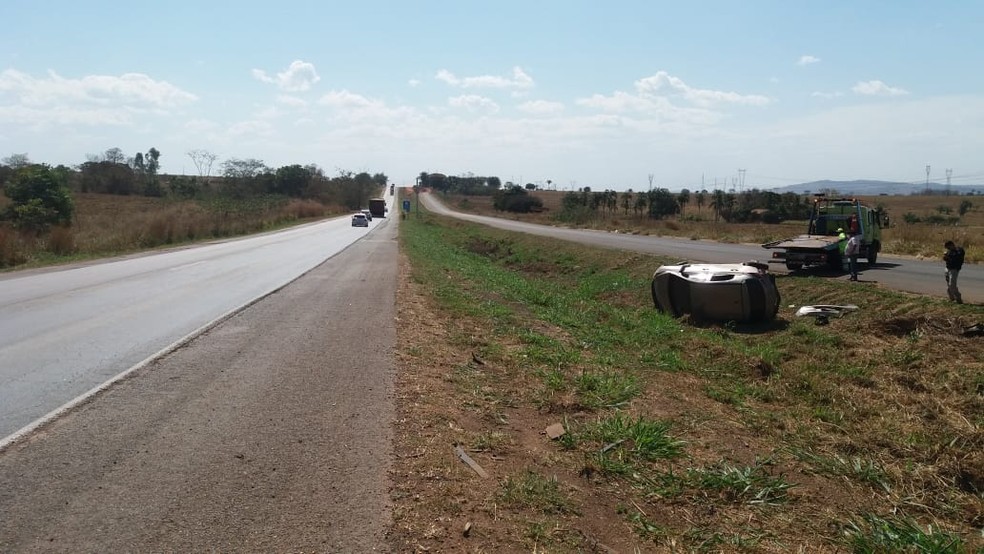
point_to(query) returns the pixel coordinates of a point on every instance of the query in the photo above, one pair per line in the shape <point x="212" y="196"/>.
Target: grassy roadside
<point x="862" y="435"/>
<point x="110" y="225"/>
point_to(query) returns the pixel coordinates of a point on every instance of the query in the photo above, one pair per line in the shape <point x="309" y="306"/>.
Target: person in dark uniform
<point x="954" y="259"/>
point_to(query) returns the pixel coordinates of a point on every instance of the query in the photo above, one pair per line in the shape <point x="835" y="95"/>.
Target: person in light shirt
<point x="852" y="250"/>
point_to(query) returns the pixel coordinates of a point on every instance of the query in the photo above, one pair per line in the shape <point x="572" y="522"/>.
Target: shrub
<point x="516" y="200"/>
<point x="39" y="199"/>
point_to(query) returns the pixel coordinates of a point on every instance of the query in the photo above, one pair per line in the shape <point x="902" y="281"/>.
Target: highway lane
<point x="895" y="272"/>
<point x="270" y="432"/>
<point x="66" y="332"/>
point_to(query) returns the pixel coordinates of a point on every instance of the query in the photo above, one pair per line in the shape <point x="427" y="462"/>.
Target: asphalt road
<point x="67" y="331"/>
<point x="269" y="432"/>
<point x="894" y="272"/>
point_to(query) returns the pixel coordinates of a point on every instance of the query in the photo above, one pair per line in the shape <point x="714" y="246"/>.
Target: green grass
<point x="637" y="438"/>
<point x="606" y="389"/>
<point x="645" y="527"/>
<point x="857" y="468"/>
<point x="705" y="539"/>
<point x="536" y="492"/>
<point x="577" y="336"/>
<point x="872" y="534"/>
<point x="750" y="484"/>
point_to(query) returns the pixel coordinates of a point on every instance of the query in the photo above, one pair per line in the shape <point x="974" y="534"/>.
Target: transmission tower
<point x="927" y="178"/>
<point x="741" y="180"/>
<point x="949" y="173"/>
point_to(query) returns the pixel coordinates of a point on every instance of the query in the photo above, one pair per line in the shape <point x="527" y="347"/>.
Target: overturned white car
<point x="744" y="292"/>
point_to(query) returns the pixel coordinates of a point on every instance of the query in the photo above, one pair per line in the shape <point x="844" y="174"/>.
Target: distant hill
<point x="875" y="188"/>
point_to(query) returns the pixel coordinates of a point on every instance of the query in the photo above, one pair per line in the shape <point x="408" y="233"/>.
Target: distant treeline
<point x="585" y="204"/>
<point x="115" y="173"/>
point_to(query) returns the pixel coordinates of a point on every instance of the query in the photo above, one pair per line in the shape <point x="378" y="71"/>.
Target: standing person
<point x="852" y="250"/>
<point x="954" y="258"/>
<point x="842" y="246"/>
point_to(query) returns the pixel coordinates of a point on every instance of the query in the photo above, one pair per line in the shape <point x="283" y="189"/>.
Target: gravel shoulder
<point x="270" y="432"/>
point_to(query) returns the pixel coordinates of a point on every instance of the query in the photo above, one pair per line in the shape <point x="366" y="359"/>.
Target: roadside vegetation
<point x="918" y="224"/>
<point x="863" y="435"/>
<point x="113" y="204"/>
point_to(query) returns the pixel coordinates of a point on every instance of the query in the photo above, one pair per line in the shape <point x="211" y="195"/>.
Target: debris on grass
<point x="555" y="431"/>
<point x="464" y="457"/>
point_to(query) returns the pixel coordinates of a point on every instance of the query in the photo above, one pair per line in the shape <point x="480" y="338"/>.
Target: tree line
<point x="508" y="198"/>
<point x="659" y="203"/>
<point x="584" y="204"/>
<point x="41" y="195"/>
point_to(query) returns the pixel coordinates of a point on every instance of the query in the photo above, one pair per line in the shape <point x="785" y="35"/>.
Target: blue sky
<point x="603" y="94"/>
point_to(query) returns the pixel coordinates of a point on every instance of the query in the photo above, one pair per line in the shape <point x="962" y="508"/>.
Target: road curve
<point x="894" y="272"/>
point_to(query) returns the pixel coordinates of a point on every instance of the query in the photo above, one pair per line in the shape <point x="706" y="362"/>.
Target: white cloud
<point x="251" y="129"/>
<point x="298" y="77"/>
<point x="291" y="101"/>
<point x="807" y="60"/>
<point x="519" y="80"/>
<point x="620" y="102"/>
<point x="269" y="112"/>
<point x="90" y="100"/>
<point x="31" y="116"/>
<point x="877" y="88"/>
<point x="827" y="95"/>
<point x="343" y="99"/>
<point x="664" y="84"/>
<point x="541" y="107"/>
<point x="473" y="103"/>
<point x="349" y="107"/>
<point x="130" y="89"/>
<point x="665" y="104"/>
<point x="414" y="83"/>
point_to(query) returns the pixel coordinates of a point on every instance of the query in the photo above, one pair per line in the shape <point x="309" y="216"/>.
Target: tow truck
<point x="820" y="246"/>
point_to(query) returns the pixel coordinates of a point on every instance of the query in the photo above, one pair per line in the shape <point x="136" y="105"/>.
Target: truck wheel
<point x="794" y="267"/>
<point x="873" y="254"/>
